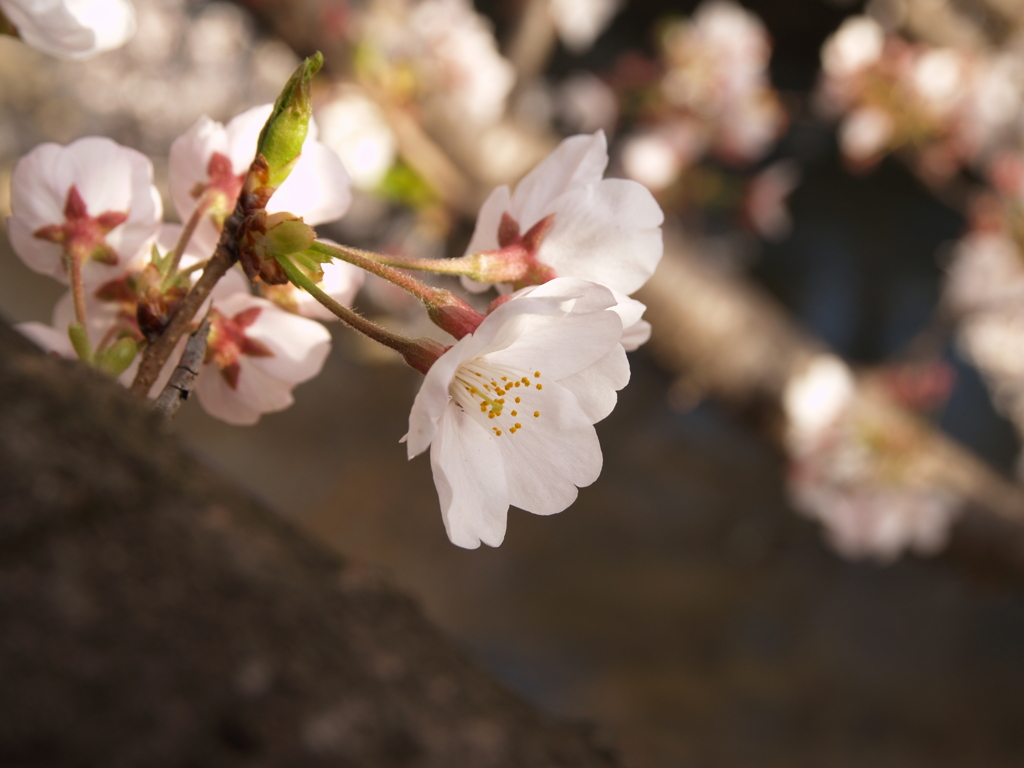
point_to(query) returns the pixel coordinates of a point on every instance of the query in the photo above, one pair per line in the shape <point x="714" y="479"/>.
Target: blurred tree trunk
<point x="154" y="615"/>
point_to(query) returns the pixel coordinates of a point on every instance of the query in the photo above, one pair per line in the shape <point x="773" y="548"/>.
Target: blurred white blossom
<point x="73" y="29"/>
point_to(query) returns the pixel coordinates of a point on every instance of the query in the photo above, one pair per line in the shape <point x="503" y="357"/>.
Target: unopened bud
<point x="116" y="360"/>
<point x="281" y="139"/>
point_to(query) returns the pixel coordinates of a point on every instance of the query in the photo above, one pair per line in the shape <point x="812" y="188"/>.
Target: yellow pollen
<point x="512" y="431"/>
<point x="536" y="374"/>
<point x="536" y="414"/>
<point x="504" y="378"/>
<point x="480" y="375"/>
<point x="518" y="384"/>
<point x="519" y="426"/>
<point x="515" y="413"/>
<point x="490" y="415"/>
<point x="525" y="381"/>
<point x="497" y="431"/>
<point x="500" y="391"/>
<point x="517" y="399"/>
<point x="540" y="386"/>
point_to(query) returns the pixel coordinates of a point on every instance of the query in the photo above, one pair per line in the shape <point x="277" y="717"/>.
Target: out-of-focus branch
<point x="532" y="44"/>
<point x="727" y="339"/>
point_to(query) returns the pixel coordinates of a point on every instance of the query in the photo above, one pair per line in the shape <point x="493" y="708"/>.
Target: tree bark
<point x="154" y="615"/>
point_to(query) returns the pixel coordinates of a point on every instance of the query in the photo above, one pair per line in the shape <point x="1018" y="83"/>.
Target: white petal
<point x="317" y="189"/>
<point x="222" y="402"/>
<point x="577" y="161"/>
<point x="432" y="400"/>
<point x="470" y="480"/>
<point x="552" y="455"/>
<point x="189" y="160"/>
<point x="74" y="29"/>
<point x="608" y="233"/>
<point x="597" y="385"/>
<point x="48" y="338"/>
<point x="636" y="335"/>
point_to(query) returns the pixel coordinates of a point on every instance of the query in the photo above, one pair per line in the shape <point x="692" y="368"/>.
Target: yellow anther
<point x="536" y="374"/>
<point x="515" y="413"/>
<point x="490" y="415"/>
<point x="519" y="426"/>
<point x="497" y="431"/>
<point x="540" y="386"/>
<point x="536" y="414"/>
<point x="518" y="384"/>
<point x="480" y="375"/>
<point x="525" y="381"/>
<point x="517" y="399"/>
<point x="512" y="431"/>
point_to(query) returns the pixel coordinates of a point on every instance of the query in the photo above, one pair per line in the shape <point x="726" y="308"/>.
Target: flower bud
<point x="281" y="139"/>
<point x="116" y="360"/>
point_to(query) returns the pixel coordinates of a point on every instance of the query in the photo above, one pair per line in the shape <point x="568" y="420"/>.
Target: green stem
<point x="373" y="263"/>
<point x="189" y="229"/>
<point x="419" y="353"/>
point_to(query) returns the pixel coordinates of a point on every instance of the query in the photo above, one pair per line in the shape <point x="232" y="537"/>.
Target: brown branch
<point x="157" y="353"/>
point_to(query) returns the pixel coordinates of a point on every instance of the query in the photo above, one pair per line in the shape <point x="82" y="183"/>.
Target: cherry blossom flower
<point x="508" y="411"/>
<point x="92" y="200"/>
<point x="212" y="159"/>
<point x="256" y="354"/>
<point x="853" y="469"/>
<point x="73" y="29"/>
<point x="574" y="223"/>
<point x="450" y="51"/>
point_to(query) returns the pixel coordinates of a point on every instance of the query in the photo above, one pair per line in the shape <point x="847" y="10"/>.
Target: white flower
<point x="92" y="198"/>
<point x="607" y="231"/>
<point x="212" y="156"/>
<point x="508" y="411"/>
<point x="257" y="353"/>
<point x="74" y="29"/>
<point x="450" y="51"/>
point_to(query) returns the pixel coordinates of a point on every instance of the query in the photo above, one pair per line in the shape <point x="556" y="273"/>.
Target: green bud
<point x="281" y="139"/>
<point x="80" y="342"/>
<point x="287" y="234"/>
<point x="117" y="359"/>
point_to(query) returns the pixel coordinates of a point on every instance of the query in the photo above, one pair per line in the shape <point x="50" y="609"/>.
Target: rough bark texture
<point x="150" y="614"/>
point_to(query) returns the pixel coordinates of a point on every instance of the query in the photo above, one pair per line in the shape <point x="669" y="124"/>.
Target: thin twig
<point x="179" y="386"/>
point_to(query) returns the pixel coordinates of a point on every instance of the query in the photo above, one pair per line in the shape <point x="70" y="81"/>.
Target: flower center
<point x="503" y="398"/>
<point x="228" y="342"/>
<point x="83" y="236"/>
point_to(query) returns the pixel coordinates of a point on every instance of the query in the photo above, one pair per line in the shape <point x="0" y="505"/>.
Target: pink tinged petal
<point x="109" y="178"/>
<point x="221" y="401"/>
<point x="243" y="133"/>
<point x="49" y="27"/>
<point x="635" y="331"/>
<point x="112" y="22"/>
<point x="577" y="161"/>
<point x="318" y="189"/>
<point x="299" y="346"/>
<point x="341" y="281"/>
<point x="53" y="340"/>
<point x="470" y="480"/>
<point x="188" y="163"/>
<point x="609" y="233"/>
<point x="551" y="455"/>
<point x="38" y="255"/>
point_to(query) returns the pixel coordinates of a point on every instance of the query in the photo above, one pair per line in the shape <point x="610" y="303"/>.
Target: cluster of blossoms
<point x="440" y="53"/>
<point x="507" y="409"/>
<point x="950" y="106"/>
<point x="856" y="473"/>
<point x="714" y="96"/>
